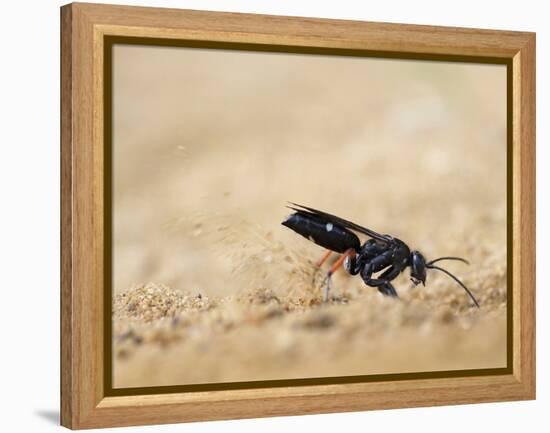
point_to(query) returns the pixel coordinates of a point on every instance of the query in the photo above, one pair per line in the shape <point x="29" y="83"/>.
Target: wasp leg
<point x="382" y="283"/>
<point x="354" y="264"/>
<point x="328" y="279"/>
<point x="323" y="259"/>
<point x="387" y="289"/>
<point x="319" y="264"/>
<point x="326" y="287"/>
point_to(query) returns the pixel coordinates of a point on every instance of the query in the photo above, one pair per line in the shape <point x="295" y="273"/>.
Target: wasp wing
<point x="340" y="221"/>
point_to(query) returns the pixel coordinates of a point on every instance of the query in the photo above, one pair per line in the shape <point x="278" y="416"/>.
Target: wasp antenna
<point x="457" y="280"/>
<point x="460" y="259"/>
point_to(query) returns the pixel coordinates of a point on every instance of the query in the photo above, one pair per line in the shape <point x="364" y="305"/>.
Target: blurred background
<point x="209" y="146"/>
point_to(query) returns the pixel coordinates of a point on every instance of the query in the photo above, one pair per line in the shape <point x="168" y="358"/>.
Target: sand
<point x="208" y="149"/>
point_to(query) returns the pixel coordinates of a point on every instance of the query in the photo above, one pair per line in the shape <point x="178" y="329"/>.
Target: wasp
<point x="380" y="253"/>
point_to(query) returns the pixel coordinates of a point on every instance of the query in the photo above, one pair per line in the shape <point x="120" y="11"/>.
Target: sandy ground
<point x="209" y="147"/>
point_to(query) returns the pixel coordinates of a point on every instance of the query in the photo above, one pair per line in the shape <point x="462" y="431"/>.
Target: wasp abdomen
<point x="326" y="234"/>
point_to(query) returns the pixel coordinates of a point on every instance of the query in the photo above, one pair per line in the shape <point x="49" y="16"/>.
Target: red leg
<point x="334" y="268"/>
<point x="340" y="261"/>
<point x="324" y="258"/>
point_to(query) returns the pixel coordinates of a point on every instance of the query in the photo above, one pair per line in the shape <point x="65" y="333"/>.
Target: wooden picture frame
<point x="85" y="312"/>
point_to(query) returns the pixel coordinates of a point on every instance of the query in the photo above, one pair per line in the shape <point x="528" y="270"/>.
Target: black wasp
<point x="379" y="253"/>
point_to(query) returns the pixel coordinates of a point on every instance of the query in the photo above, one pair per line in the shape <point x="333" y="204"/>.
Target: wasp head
<point x="418" y="268"/>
